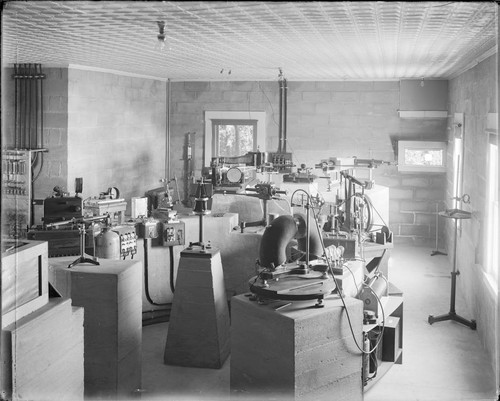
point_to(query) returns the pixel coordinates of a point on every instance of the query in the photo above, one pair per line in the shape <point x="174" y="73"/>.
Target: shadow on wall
<point x="133" y="178"/>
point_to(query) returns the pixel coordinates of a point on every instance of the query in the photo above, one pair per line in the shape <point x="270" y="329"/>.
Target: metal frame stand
<point x="82" y="258"/>
<point x="452" y="315"/>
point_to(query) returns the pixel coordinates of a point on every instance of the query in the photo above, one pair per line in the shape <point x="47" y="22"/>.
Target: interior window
<point x="233" y="137"/>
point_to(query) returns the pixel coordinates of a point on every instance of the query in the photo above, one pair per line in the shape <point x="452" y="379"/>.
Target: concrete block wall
<point x="474" y="93"/>
<point x="55" y="133"/>
<point x="324" y="119"/>
<point x="116" y="132"/>
<point x="108" y="129"/>
<point x="51" y="168"/>
<point x="412" y="206"/>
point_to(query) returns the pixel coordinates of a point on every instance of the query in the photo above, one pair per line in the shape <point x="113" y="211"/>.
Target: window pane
<point x="246" y="138"/>
<point x="227" y="140"/>
<point x="424" y="157"/>
<point x="235" y="140"/>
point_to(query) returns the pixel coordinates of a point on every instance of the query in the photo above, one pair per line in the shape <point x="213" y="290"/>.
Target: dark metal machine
<point x="309" y="276"/>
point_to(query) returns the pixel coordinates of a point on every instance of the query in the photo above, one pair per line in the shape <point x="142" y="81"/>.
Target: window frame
<point x="235" y="123"/>
<point x="259" y="116"/>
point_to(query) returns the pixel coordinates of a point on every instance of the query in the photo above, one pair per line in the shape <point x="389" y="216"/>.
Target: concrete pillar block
<point x="198" y="333"/>
<point x="297" y="352"/>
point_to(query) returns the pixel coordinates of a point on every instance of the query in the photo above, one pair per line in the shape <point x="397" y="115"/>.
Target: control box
<point x="128" y="240"/>
<point x="173" y="233"/>
<point x="16" y="193"/>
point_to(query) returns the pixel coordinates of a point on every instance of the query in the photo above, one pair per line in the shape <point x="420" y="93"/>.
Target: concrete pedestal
<point x="111" y="297"/>
<point x="297" y="351"/>
<point x="198" y="332"/>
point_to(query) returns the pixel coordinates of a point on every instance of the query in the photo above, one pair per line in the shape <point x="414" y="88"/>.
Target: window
<point x="233" y="137"/>
<point x="220" y="118"/>
<point x="425" y="156"/>
<point x="492" y="236"/>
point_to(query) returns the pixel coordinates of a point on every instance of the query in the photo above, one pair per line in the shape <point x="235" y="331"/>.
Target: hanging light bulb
<point x="422" y="82"/>
<point x="161" y="44"/>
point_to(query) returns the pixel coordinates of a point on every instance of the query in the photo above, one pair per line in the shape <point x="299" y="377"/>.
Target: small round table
<point x="456" y="214"/>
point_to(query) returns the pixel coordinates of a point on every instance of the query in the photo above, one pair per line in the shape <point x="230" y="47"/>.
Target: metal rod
<point x="284" y="114"/>
<point x="25" y="104"/>
<point x="280" y="127"/>
<point x="36" y="107"/>
<point x="167" y="145"/>
<point x="201" y="229"/>
<point x="41" y="110"/>
<point x="308" y="204"/>
<point x="28" y="99"/>
<point x="454" y="272"/>
<point x="16" y="139"/>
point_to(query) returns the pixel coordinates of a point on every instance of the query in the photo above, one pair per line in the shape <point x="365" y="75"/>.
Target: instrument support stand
<point x="452" y="315"/>
<point x="82" y="258"/>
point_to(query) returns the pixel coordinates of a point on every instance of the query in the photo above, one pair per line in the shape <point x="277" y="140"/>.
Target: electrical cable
<point x="353" y="277"/>
<point x="171" y="251"/>
<point x="146" y="276"/>
<point x="342" y="298"/>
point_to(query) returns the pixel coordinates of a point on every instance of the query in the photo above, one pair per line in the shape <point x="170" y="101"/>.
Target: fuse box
<point x="173" y="233"/>
<point x="128" y="240"/>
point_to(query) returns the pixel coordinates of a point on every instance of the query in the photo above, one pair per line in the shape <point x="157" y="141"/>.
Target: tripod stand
<point x="455" y="214"/>
<point x="82" y="258"/>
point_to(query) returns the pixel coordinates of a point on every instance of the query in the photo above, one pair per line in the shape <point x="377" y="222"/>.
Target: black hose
<point x="146" y="277"/>
<point x="172" y="286"/>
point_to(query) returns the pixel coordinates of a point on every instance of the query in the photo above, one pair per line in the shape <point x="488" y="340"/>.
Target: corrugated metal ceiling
<point x="253" y="39"/>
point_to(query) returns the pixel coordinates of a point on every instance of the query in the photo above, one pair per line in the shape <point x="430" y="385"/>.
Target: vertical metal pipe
<point x="16" y="139"/>
<point x="280" y="127"/>
<point x="167" y="150"/>
<point x="41" y="108"/>
<point x="29" y="81"/>
<point x="37" y="106"/>
<point x="25" y="105"/>
<point x="201" y="229"/>
<point x="285" y="84"/>
<point x="16" y="112"/>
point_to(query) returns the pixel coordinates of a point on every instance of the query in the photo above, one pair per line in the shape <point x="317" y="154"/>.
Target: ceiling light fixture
<point x="422" y="82"/>
<point x="161" y="45"/>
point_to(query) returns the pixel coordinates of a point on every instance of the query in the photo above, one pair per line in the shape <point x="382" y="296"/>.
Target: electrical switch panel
<point x="128" y="240"/>
<point x="173" y="233"/>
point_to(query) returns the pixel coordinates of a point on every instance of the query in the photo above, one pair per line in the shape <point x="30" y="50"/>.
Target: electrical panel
<point x="16" y="192"/>
<point x="282" y="162"/>
<point x="128" y="240"/>
<point x="173" y="233"/>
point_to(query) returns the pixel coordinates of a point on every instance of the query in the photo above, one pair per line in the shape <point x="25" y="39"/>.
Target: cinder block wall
<point x="324" y="119"/>
<point x="108" y="129"/>
<point x="116" y="132"/>
<point x="475" y="94"/>
<point x="53" y="165"/>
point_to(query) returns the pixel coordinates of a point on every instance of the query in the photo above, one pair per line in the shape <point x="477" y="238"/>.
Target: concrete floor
<point x="442" y="362"/>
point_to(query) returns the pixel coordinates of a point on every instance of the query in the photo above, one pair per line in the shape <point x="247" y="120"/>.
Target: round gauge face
<point x="234" y="175"/>
<point x="114" y="193"/>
